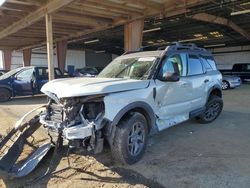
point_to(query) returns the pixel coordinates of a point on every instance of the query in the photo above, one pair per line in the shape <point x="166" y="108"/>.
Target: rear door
<point x="196" y="75"/>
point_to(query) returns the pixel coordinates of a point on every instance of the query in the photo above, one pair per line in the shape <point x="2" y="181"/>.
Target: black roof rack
<point x="181" y="46"/>
<point x="171" y="46"/>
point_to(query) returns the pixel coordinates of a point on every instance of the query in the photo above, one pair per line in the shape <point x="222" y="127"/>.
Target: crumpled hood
<point x="75" y="87"/>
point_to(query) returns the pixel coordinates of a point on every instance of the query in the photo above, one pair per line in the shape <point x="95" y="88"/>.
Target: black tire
<point x="214" y="107"/>
<point x="225" y="85"/>
<point x="4" y="95"/>
<point x="128" y="148"/>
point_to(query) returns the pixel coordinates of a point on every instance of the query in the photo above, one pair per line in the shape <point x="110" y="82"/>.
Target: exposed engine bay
<point x="78" y="120"/>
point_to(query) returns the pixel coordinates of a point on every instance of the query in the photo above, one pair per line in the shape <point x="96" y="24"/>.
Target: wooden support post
<point x="27" y="57"/>
<point x="133" y="33"/>
<point x="50" y="54"/>
<point x="61" y="49"/>
<point x="7" y="55"/>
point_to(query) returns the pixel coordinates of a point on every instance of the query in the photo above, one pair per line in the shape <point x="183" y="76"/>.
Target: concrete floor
<point x="187" y="155"/>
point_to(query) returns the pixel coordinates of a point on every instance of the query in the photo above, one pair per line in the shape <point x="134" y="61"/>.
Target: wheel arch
<point x="226" y="82"/>
<point x="215" y="90"/>
<point x="141" y="107"/>
<point x="8" y="88"/>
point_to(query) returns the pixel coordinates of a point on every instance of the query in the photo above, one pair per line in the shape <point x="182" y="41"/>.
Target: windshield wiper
<point x="133" y="62"/>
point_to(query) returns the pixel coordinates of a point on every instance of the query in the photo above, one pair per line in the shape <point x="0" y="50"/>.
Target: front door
<point x="22" y="83"/>
<point x="173" y="99"/>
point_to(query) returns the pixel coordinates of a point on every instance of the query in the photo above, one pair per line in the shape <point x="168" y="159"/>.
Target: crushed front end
<point x="78" y="120"/>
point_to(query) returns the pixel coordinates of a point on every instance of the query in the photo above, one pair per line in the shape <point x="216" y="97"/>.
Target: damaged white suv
<point x="137" y="94"/>
<point x="134" y="95"/>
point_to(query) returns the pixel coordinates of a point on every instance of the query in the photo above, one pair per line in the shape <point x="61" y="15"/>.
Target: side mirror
<point x="170" y="77"/>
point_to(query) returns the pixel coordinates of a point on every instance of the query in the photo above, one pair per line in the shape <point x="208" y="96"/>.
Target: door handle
<point x="205" y="81"/>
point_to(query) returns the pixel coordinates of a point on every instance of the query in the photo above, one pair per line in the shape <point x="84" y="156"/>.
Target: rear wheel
<point x="214" y="107"/>
<point x="4" y="95"/>
<point x="130" y="139"/>
<point x="225" y="85"/>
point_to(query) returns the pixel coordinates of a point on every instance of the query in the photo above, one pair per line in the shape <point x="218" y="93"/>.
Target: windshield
<point x="9" y="74"/>
<point x="137" y="68"/>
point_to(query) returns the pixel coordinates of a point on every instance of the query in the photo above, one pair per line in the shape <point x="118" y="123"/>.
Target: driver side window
<point x="25" y="75"/>
<point x="172" y="65"/>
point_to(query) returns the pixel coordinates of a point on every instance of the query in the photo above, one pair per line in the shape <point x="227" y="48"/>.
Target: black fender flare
<point x="136" y="105"/>
<point x="215" y="87"/>
<point x="143" y="107"/>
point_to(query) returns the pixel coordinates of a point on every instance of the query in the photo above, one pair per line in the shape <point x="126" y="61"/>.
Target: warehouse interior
<point x="211" y="24"/>
<point x="73" y="34"/>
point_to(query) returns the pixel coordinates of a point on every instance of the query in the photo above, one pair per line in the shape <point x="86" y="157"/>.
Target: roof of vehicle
<point x="173" y="47"/>
<point x="143" y="54"/>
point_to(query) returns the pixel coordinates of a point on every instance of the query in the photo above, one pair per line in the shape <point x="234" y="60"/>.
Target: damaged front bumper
<point x="80" y="134"/>
<point x="80" y="131"/>
<point x="12" y="146"/>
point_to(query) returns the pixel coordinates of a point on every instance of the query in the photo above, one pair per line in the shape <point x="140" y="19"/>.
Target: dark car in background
<point x="88" y="72"/>
<point x="241" y="70"/>
<point x="24" y="81"/>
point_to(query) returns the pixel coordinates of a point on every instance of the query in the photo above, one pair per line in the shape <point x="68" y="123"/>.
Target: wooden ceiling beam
<point x="19" y="7"/>
<point x="221" y="21"/>
<point x="29" y="3"/>
<point x="146" y="4"/>
<point x="82" y="20"/>
<point x="114" y="7"/>
<point x="35" y="16"/>
<point x="87" y="12"/>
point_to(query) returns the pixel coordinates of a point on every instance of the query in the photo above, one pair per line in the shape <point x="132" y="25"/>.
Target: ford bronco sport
<point x="137" y="94"/>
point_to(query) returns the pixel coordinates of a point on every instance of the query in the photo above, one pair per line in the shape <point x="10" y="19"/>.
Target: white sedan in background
<point x="230" y="82"/>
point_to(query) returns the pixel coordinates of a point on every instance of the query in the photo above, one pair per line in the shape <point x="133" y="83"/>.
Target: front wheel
<point x="130" y="139"/>
<point x="214" y="107"/>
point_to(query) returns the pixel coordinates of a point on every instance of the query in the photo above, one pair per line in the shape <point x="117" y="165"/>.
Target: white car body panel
<point x="114" y="102"/>
<point x="78" y="87"/>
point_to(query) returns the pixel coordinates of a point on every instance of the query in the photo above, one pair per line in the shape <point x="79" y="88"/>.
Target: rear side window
<point x="43" y="72"/>
<point x="194" y="65"/>
<point x="211" y="62"/>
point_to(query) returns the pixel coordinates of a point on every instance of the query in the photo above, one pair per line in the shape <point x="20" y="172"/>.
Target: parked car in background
<point x="230" y="82"/>
<point x="241" y="70"/>
<point x="2" y="72"/>
<point x="24" y="81"/>
<point x="87" y="72"/>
